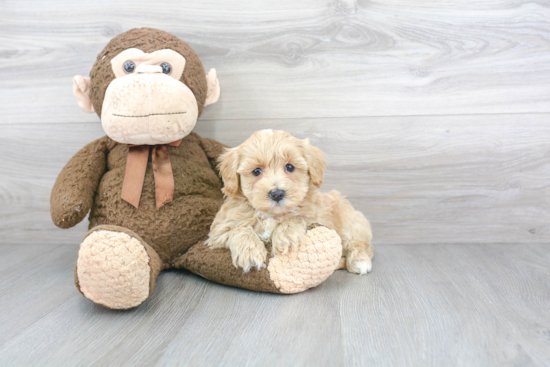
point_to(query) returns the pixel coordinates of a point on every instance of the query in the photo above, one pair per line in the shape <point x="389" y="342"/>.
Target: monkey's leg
<point x="296" y="271"/>
<point x="116" y="268"/>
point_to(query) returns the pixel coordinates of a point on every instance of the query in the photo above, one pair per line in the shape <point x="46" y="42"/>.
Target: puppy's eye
<point x="289" y="168"/>
<point x="129" y="66"/>
<point x="257" y="172"/>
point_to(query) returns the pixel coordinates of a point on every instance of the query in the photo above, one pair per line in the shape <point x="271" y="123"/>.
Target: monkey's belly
<point x="172" y="230"/>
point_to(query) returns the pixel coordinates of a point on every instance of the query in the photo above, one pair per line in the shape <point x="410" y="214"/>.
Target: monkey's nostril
<point x="277" y="195"/>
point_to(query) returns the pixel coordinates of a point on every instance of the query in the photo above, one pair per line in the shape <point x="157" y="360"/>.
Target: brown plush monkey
<point x="152" y="185"/>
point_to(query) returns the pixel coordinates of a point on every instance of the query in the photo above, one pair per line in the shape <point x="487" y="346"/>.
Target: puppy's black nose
<point x="277" y="195"/>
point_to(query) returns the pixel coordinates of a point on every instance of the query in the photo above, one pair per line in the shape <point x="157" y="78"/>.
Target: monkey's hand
<point x="73" y="192"/>
<point x="288" y="235"/>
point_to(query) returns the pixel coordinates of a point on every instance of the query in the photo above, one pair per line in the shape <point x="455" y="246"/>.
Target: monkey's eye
<point x="289" y="168"/>
<point x="166" y="68"/>
<point x="257" y="172"/>
<point x="129" y="66"/>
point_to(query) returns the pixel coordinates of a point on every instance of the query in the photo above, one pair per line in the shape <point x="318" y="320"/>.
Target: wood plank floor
<point x="423" y="305"/>
<point x="435" y="119"/>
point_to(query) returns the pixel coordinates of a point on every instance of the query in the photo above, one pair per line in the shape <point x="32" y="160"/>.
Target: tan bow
<point x="136" y="165"/>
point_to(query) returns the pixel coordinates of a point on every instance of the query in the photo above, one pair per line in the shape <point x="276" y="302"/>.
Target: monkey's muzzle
<point x="148" y="109"/>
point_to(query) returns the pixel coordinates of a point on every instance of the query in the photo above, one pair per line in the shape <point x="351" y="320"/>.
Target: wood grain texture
<point x="295" y="59"/>
<point x="474" y="305"/>
<point x="458" y="179"/>
<point x="435" y="119"/>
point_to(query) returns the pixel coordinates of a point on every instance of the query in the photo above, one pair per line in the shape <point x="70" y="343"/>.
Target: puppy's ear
<point x="316" y="161"/>
<point x="228" y="165"/>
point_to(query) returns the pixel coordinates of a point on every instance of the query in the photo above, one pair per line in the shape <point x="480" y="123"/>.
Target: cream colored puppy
<point x="271" y="183"/>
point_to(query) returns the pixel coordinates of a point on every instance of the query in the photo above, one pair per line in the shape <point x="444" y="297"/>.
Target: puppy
<point x="270" y="184"/>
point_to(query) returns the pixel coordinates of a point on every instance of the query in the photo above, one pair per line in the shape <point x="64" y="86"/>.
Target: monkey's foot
<point x="116" y="268"/>
<point x="311" y="264"/>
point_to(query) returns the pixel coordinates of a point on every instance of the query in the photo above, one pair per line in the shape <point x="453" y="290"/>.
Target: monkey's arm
<point x="73" y="192"/>
<point x="213" y="150"/>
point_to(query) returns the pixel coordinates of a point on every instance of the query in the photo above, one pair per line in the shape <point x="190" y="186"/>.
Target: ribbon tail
<point x="175" y="143"/>
<point x="164" y="178"/>
<point x="136" y="165"/>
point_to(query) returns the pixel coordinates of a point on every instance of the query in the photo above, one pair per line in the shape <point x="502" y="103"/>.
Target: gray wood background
<point x="434" y="115"/>
<point x="435" y="119"/>
<point x="439" y="305"/>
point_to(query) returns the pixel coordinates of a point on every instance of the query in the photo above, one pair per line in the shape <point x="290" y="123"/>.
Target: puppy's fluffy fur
<point x="275" y="160"/>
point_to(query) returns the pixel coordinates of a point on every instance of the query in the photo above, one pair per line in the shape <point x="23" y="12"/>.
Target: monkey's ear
<point x="316" y="163"/>
<point x="81" y="90"/>
<point x="228" y="166"/>
<point x="213" y="92"/>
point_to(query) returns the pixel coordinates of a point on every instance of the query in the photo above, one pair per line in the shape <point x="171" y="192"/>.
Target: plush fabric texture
<point x="115" y="268"/>
<point x="97" y="172"/>
<point x="147" y="40"/>
<point x="155" y="263"/>
<point x="314" y="261"/>
<point x="73" y="192"/>
<point x="167" y="109"/>
<point x="216" y="265"/>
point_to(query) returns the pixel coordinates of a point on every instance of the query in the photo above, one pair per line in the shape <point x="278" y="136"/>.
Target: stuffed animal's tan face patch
<point x="146" y="103"/>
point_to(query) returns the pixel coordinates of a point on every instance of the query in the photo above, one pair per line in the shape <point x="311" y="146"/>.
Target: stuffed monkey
<point x="151" y="185"/>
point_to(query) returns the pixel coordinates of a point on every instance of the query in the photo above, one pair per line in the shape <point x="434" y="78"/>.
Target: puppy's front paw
<point x="281" y="245"/>
<point x="359" y="262"/>
<point x="248" y="255"/>
<point x="287" y="237"/>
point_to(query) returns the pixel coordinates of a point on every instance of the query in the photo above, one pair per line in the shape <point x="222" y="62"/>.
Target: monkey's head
<point x="148" y="87"/>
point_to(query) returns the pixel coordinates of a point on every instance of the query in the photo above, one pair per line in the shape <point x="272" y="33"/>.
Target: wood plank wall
<point x="434" y="115"/>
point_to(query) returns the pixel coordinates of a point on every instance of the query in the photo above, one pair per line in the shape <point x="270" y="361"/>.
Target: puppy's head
<point x="273" y="170"/>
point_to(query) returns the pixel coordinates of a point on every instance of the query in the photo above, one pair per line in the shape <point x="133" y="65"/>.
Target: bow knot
<point x="136" y="165"/>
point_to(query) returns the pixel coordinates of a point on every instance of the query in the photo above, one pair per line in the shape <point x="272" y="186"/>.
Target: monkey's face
<point x="147" y="98"/>
<point x="147" y="103"/>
